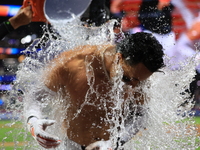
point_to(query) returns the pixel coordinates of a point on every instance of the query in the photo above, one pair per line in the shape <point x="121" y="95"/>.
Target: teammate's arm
<point x="36" y="97"/>
<point x="163" y="3"/>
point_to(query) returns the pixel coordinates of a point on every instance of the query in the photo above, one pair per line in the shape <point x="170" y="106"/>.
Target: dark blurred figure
<point x="97" y="13"/>
<point x="156" y="16"/>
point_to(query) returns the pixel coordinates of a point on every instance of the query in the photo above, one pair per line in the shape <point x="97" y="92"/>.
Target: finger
<point x="47" y="146"/>
<point x="99" y="145"/>
<point x="48" y="122"/>
<point x="47" y="140"/>
<point x="92" y="146"/>
<point x="28" y="10"/>
<point x="47" y="136"/>
<point x="28" y="7"/>
<point x="43" y="145"/>
<point x="32" y="131"/>
<point x="47" y="143"/>
<point x="20" y="8"/>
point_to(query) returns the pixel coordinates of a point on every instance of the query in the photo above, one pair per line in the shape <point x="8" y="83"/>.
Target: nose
<point x="134" y="83"/>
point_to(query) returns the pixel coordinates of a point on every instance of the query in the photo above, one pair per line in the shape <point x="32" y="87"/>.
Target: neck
<point x="107" y="60"/>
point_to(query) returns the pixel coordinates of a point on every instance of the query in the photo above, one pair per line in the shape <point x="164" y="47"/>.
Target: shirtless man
<point x="139" y="55"/>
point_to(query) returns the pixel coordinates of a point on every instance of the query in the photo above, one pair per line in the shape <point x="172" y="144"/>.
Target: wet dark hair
<point x="143" y="48"/>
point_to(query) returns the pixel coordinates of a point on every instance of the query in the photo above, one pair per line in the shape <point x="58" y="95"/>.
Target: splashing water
<point x="167" y="124"/>
<point x="170" y="125"/>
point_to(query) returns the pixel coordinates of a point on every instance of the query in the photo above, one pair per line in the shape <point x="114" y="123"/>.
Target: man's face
<point x="132" y="75"/>
<point x="135" y="74"/>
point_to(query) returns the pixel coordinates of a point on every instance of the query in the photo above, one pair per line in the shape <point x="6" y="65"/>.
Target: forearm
<point x="163" y="3"/>
<point x="23" y="17"/>
<point x="35" y="101"/>
<point x="132" y="128"/>
<point x="115" y="6"/>
<point x="14" y="24"/>
<point x="32" y="109"/>
<point x="134" y="122"/>
<point x="166" y="1"/>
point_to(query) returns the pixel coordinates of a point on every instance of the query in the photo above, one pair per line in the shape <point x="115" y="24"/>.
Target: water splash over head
<point x="163" y="121"/>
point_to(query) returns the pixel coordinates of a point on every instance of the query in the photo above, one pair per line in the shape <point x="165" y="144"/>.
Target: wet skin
<point x="69" y="73"/>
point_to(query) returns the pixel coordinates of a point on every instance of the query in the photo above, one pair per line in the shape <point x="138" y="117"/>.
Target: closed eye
<point x="126" y="79"/>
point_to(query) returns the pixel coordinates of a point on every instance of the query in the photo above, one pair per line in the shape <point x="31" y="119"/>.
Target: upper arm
<point x="56" y="75"/>
<point x="67" y="68"/>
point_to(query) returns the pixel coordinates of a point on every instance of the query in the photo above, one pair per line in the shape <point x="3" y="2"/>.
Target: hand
<point x="115" y="6"/>
<point x="23" y="17"/>
<point x="162" y="4"/>
<point x="99" y="145"/>
<point x="37" y="129"/>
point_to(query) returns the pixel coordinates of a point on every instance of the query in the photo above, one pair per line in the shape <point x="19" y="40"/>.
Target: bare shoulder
<point x="78" y="51"/>
<point x="71" y="63"/>
<point x="89" y="49"/>
<point x="85" y="50"/>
